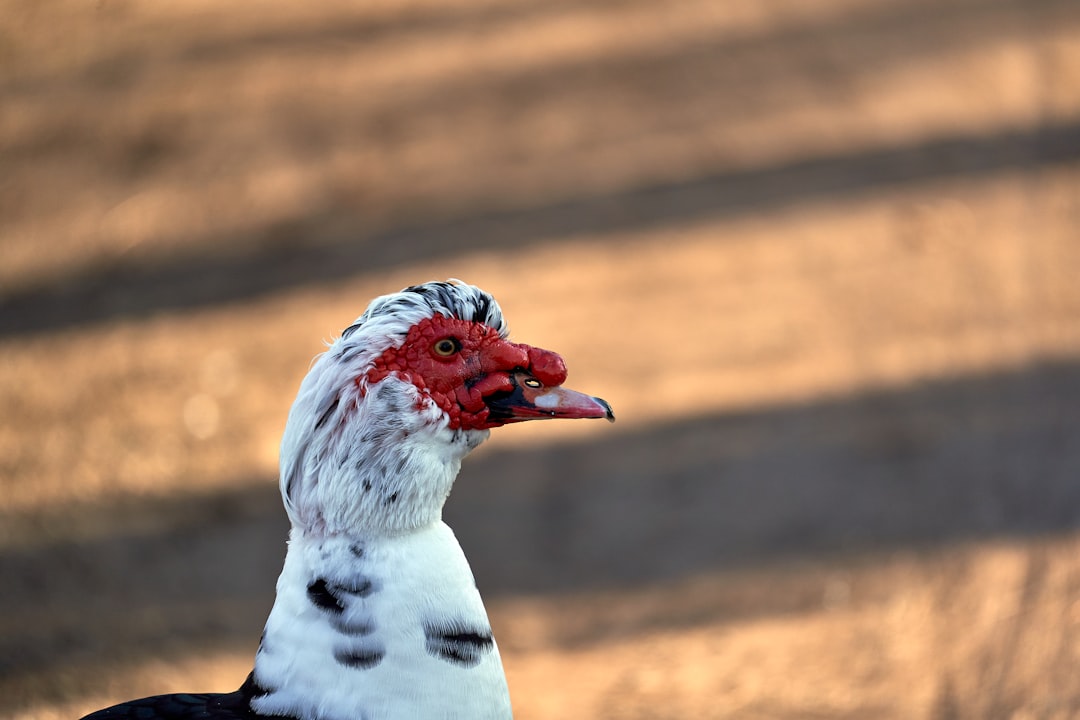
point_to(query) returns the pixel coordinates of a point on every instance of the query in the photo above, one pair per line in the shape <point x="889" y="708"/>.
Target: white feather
<point x="420" y="577"/>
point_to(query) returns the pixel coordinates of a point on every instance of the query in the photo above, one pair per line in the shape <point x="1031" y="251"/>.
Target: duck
<point x="377" y="615"/>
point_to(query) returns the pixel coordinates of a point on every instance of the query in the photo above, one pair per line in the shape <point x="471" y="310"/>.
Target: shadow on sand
<point x="144" y="289"/>
<point x="915" y="469"/>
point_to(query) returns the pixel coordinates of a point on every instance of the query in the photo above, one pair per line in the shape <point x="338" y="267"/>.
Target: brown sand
<point x="822" y="258"/>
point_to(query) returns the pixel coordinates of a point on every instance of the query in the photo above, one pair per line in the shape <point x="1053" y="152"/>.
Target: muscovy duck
<point x="377" y="615"/>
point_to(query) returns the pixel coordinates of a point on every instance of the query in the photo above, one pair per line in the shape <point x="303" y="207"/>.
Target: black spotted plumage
<point x="321" y="595"/>
<point x="355" y="627"/>
<point x="331" y="408"/>
<point x="446" y="298"/>
<point x="362" y="657"/>
<point x="334" y="597"/>
<point x="188" y="706"/>
<point x="458" y="644"/>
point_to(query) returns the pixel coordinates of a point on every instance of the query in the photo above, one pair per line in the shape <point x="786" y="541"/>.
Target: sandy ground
<point x="822" y="258"/>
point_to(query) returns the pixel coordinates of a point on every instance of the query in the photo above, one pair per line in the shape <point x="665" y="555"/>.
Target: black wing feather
<point x="188" y="706"/>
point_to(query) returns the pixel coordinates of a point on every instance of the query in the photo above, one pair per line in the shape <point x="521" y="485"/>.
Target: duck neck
<point x="375" y="626"/>
<point x="382" y="476"/>
<point x="320" y="623"/>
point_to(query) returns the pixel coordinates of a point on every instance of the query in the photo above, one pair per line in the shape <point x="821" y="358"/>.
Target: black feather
<point x="457" y="643"/>
<point x="189" y="706"/>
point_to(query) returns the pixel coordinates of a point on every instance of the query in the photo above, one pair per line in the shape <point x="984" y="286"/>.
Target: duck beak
<point x="531" y="400"/>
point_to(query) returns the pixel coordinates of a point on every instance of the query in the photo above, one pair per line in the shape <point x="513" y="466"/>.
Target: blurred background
<point x="822" y="257"/>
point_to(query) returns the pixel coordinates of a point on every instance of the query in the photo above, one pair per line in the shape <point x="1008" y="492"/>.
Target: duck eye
<point x="447" y="346"/>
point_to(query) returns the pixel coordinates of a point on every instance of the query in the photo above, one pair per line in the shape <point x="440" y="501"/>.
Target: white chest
<point x="380" y="629"/>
